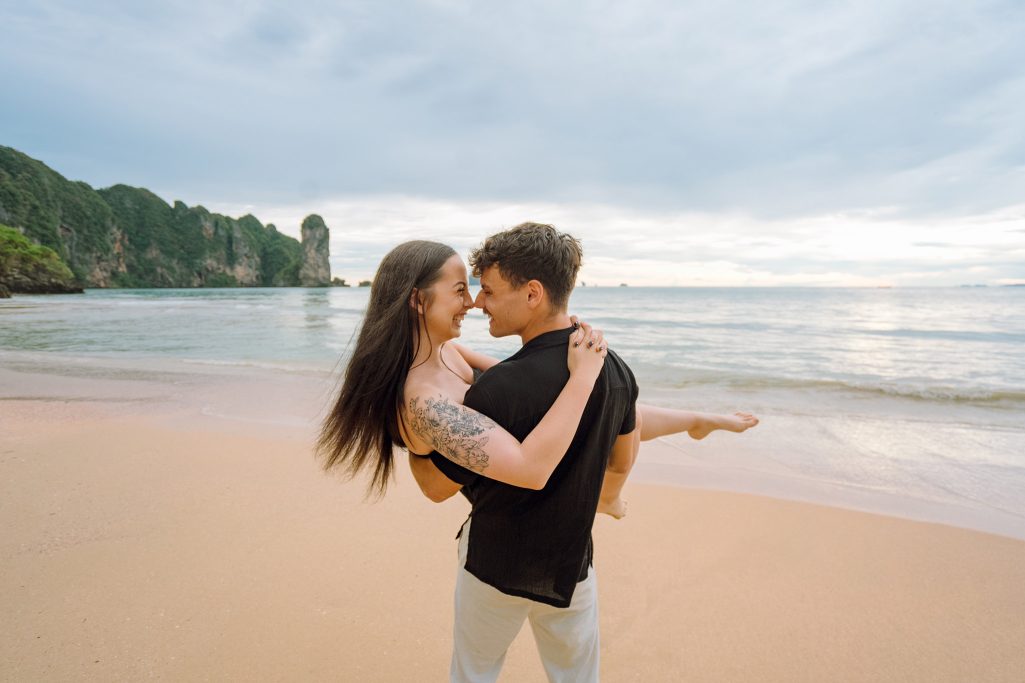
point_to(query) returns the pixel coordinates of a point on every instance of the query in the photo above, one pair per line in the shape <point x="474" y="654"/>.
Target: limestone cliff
<point x="316" y="269"/>
<point x="125" y="236"/>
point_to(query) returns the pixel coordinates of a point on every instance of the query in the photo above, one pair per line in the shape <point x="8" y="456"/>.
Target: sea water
<point x="906" y="401"/>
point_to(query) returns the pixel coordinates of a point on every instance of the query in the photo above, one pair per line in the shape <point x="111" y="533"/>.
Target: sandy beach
<point x="143" y="544"/>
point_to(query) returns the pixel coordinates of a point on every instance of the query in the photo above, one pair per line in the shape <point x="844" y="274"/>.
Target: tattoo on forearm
<point x="455" y="433"/>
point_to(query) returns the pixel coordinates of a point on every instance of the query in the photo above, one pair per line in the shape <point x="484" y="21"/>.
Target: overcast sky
<point x="691" y="143"/>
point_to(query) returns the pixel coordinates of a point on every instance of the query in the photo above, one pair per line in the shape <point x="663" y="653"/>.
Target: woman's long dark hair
<point x="363" y="426"/>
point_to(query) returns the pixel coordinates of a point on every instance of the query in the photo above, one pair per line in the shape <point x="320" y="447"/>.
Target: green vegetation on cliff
<point x="125" y="236"/>
<point x="48" y="207"/>
<point x="30" y="268"/>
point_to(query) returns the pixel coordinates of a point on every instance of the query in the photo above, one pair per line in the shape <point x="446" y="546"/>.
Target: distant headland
<point x="60" y="236"/>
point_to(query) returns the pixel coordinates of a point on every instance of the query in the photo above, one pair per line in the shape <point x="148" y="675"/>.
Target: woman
<point x="405" y="383"/>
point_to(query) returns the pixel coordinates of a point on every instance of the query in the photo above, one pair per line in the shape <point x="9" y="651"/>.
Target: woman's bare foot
<point x="615" y="508"/>
<point x="708" y="423"/>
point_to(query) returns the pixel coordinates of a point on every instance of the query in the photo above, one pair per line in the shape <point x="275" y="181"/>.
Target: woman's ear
<point x="416" y="301"/>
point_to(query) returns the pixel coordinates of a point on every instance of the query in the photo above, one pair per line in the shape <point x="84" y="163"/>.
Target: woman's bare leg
<point x="653" y="422"/>
<point x="658" y="422"/>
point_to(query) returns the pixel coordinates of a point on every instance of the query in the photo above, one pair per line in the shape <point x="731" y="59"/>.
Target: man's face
<point x="504" y="304"/>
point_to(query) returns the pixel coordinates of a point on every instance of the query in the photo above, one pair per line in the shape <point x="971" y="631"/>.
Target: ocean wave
<point x="703" y="328"/>
<point x="261" y="365"/>
<point x="669" y="323"/>
<point x="951" y="335"/>
<point x="936" y="393"/>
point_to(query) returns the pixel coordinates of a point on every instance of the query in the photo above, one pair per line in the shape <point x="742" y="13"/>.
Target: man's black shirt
<point x="537" y="544"/>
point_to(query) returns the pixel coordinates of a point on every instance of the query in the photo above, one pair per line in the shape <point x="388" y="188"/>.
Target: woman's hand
<point x="586" y="352"/>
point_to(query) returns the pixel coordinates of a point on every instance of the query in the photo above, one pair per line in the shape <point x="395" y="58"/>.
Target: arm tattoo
<point x="454" y="432"/>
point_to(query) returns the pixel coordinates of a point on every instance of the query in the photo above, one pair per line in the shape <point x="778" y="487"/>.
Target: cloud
<point x="723" y="143"/>
<point x="659" y="248"/>
<point x="773" y="109"/>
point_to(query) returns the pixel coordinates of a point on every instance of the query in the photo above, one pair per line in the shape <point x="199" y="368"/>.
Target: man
<point x="527" y="554"/>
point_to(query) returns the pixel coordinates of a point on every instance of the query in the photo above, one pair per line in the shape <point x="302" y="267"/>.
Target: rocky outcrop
<point x="126" y="236"/>
<point x="28" y="268"/>
<point x="316" y="268"/>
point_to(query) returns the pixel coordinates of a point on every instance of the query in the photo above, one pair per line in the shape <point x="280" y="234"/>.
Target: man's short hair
<point x="533" y="251"/>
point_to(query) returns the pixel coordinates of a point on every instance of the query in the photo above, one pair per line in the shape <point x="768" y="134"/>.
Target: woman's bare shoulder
<point x="427" y="387"/>
<point x="430" y="376"/>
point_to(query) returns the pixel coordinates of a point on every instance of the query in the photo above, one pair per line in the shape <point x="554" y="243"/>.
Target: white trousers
<point x="487" y="621"/>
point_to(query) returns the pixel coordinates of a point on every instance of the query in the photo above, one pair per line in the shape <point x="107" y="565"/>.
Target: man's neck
<point x="558" y="321"/>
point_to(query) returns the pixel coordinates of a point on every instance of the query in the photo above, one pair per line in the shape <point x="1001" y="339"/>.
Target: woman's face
<point x="449" y="301"/>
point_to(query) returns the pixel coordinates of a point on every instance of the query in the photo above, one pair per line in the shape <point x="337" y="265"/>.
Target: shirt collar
<point x="544" y="341"/>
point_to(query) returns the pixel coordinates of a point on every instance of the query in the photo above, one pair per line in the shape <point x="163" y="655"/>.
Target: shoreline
<point x="277" y="400"/>
<point x="142" y="543"/>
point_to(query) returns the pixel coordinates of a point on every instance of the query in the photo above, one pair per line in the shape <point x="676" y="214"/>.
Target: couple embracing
<point x="538" y="443"/>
